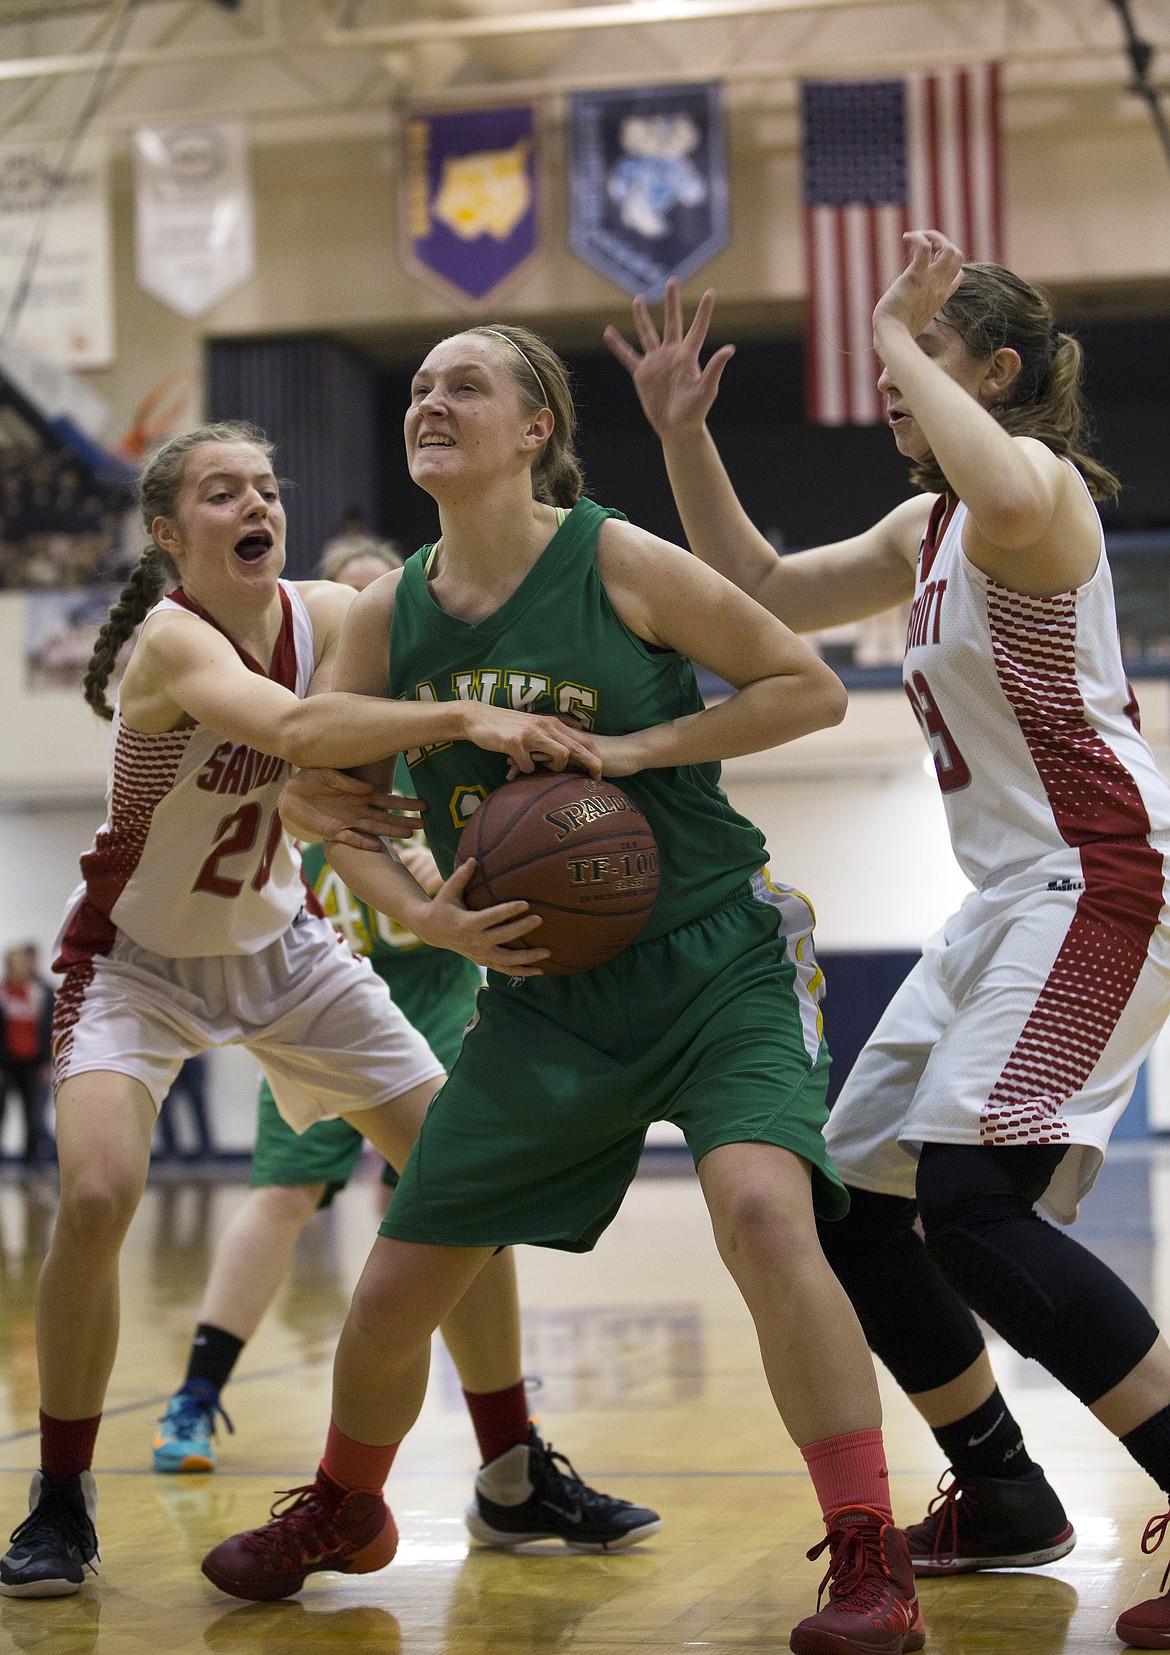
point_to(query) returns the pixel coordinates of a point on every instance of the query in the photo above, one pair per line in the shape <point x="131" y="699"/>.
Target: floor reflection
<point x="646" y="1374"/>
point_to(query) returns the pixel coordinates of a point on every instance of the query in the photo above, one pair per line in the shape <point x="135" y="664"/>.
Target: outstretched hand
<point x="915" y="297"/>
<point x="675" y="392"/>
<point x="319" y="804"/>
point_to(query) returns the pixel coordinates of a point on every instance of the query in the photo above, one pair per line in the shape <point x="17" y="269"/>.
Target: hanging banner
<point x="470" y="219"/>
<point x="194" y="215"/>
<point x="647" y="183"/>
<point x="67" y="312"/>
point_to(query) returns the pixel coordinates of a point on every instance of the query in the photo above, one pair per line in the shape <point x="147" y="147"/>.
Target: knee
<point x="375" y="1311"/>
<point x="874" y="1226"/>
<point x="758" y="1230"/>
<point x="957" y="1221"/>
<point x="286" y="1206"/>
<point x="959" y="1194"/>
<point x="96" y="1209"/>
<point x="981" y="1236"/>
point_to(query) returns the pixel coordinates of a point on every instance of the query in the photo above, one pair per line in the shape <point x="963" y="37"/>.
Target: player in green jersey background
<point x="707" y="1019"/>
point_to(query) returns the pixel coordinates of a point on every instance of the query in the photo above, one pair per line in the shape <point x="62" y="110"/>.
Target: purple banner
<point x="647" y="183"/>
<point x="469" y="203"/>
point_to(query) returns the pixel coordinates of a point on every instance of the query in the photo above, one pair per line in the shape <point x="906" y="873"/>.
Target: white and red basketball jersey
<point x="1026" y="708"/>
<point x="192" y="859"/>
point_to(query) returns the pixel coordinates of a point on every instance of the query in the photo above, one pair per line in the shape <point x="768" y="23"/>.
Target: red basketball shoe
<point x="872" y="1608"/>
<point x="1147" y="1625"/>
<point x="325" y="1527"/>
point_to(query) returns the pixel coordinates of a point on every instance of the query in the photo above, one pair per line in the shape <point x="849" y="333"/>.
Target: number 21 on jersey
<point x="235" y="836"/>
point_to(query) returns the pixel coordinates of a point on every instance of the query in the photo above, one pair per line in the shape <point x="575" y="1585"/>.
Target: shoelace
<point x="1155" y="1533"/>
<point x="945" y="1506"/>
<point x="56" y="1514"/>
<point x="852" y="1566"/>
<point x="186" y="1410"/>
<point x="590" y="1498"/>
<point x="283" y="1534"/>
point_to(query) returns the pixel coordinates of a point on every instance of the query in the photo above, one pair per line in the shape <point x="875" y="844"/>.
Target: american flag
<point x="882" y="157"/>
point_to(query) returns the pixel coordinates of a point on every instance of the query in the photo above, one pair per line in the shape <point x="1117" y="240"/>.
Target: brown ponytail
<point x="543" y="382"/>
<point x="158" y="493"/>
<point x="991" y="309"/>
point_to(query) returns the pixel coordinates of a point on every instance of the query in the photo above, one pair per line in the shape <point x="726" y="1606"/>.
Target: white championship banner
<point x="196" y="238"/>
<point x="67" y="312"/>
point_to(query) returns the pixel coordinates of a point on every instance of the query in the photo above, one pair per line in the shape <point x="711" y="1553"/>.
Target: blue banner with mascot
<point x="648" y="183"/>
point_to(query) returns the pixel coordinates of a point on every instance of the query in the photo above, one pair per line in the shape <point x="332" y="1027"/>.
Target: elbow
<point x="832" y="699"/>
<point x="825" y="699"/>
<point x="1015" y="521"/>
<point x="814" y="699"/>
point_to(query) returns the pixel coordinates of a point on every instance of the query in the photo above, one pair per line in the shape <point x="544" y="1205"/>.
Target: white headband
<point x="522" y="357"/>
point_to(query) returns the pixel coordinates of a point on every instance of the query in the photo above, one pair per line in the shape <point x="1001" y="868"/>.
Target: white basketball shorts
<point x="1025" y="1022"/>
<point x="319" y="1021"/>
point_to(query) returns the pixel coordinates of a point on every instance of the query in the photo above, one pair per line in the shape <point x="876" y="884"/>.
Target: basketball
<point x="579" y="851"/>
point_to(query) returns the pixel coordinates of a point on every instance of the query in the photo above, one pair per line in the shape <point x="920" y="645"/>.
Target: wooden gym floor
<point x="650" y="1381"/>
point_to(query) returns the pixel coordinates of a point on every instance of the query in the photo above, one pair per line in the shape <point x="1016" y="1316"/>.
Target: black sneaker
<point x="56" y="1543"/>
<point x="531" y="1493"/>
<point x="990" y="1523"/>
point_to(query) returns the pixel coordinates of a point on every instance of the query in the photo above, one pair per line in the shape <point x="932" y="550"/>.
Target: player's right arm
<point x="361" y="667"/>
<point x="826" y="586"/>
<point x="183" y="669"/>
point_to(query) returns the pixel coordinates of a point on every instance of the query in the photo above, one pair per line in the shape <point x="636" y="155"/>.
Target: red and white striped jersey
<point x="192" y="859"/>
<point x="1026" y="708"/>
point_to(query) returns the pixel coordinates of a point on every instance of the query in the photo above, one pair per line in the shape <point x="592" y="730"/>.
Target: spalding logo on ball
<point x="578" y="851"/>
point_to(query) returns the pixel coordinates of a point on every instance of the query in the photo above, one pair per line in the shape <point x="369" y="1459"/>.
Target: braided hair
<point x="154" y="573"/>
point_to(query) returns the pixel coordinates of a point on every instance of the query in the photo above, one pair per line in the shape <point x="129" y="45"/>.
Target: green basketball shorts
<point x="437" y="993"/>
<point x="537" y="1133"/>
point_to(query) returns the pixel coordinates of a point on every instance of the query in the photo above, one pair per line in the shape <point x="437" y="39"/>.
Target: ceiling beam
<point x="386" y="48"/>
<point x="622" y="14"/>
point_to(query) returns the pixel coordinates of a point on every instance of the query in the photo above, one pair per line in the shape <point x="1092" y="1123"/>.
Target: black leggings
<point x="985" y="1247"/>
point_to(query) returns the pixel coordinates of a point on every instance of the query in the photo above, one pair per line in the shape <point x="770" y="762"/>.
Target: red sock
<point x="850" y="1471"/>
<point x="360" y="1466"/>
<point x="67" y="1444"/>
<point x="500" y="1419"/>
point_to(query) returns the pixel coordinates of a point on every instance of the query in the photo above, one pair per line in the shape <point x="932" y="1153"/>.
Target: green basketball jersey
<point x="381" y="939"/>
<point x="557" y="645"/>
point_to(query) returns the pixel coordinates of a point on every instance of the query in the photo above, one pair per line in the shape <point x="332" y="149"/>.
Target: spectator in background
<point x="26" y="1020"/>
<point x="59" y="525"/>
<point x="355" y="540"/>
<point x="354" y="531"/>
<point x="359" y="563"/>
